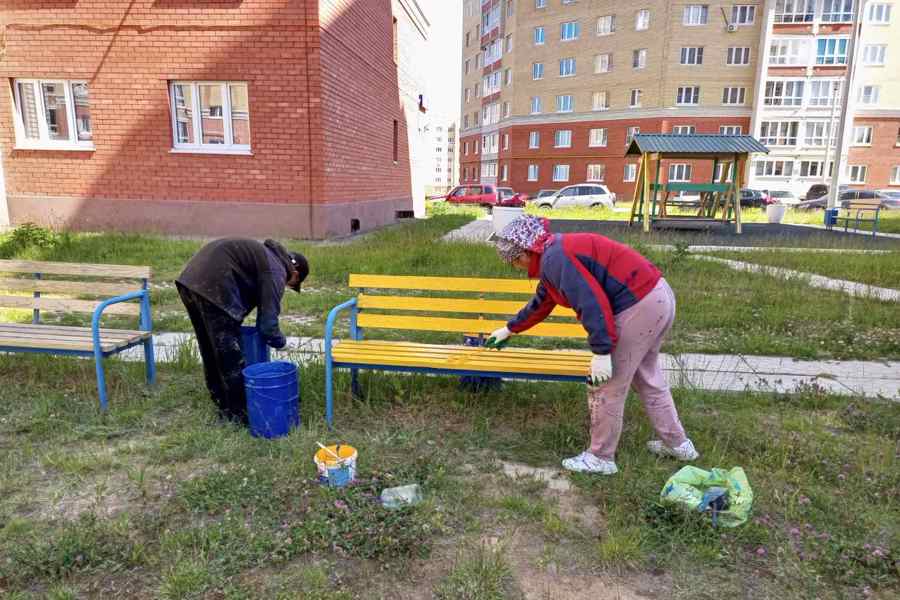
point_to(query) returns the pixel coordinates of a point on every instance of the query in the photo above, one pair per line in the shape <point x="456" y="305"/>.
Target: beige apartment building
<point x="554" y="89"/>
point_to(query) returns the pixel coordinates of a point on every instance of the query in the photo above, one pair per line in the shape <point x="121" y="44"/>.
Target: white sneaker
<point x="589" y="463"/>
<point x="685" y="452"/>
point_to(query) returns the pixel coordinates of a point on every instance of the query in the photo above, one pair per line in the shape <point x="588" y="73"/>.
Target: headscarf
<point x="523" y="234"/>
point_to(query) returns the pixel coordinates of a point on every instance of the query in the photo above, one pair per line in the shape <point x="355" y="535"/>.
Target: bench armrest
<point x="332" y="316"/>
<point x="143" y="295"/>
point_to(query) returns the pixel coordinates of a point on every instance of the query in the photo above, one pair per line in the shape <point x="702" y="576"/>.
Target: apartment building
<point x="803" y="85"/>
<point x="553" y="90"/>
<point x="258" y="117"/>
<point x="444" y="161"/>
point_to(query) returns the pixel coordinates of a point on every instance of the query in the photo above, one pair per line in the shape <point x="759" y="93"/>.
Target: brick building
<point x="255" y="117"/>
<point x="553" y="89"/>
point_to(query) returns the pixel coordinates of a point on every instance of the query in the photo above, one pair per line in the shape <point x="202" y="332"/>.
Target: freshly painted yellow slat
<point x="380" y="321"/>
<point x="59" y="268"/>
<point x="65" y="305"/>
<point x="536" y="362"/>
<point x="446" y="284"/>
<point x="460" y="305"/>
<point x="473" y="364"/>
<point x="408" y="349"/>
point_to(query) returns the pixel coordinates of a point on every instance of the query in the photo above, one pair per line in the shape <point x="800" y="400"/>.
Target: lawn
<point x="719" y="310"/>
<point x="874" y="269"/>
<point x="158" y="500"/>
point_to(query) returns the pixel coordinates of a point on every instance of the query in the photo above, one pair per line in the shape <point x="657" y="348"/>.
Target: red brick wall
<point x="360" y="102"/>
<point x="580" y="155"/>
<point x="128" y="51"/>
<point x="883" y="155"/>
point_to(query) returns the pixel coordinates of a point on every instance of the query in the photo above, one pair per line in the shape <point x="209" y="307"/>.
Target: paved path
<point x="693" y="371"/>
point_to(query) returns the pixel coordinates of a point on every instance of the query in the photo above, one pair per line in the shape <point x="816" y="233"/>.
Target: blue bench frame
<point x="356" y="334"/>
<point x="856" y="219"/>
<point x="145" y="324"/>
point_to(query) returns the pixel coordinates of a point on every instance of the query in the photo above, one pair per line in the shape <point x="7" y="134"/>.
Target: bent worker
<point x="627" y="309"/>
<point x="220" y="286"/>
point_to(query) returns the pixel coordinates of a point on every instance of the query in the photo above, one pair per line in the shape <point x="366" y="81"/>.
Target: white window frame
<point x="795" y="11"/>
<point x="569" y="31"/>
<point x="789" y="52"/>
<point x="691" y="55"/>
<point x="814" y="169"/>
<point x="862" y="135"/>
<point x="734" y="96"/>
<point x="683" y="98"/>
<point x="832" y="54"/>
<point x="895" y="175"/>
<point x="743" y="14"/>
<point x="534" y="172"/>
<point x="680" y="173"/>
<point x="229" y="147"/>
<point x="630" y="133"/>
<point x="642" y="19"/>
<point x="639" y="58"/>
<point x="561" y="103"/>
<point x="507" y="77"/>
<point x="600" y="101"/>
<point x="874" y="55"/>
<point x="537" y="71"/>
<point x="44" y="142"/>
<point x="816" y="100"/>
<point x="779" y="133"/>
<point x="774" y="168"/>
<point x="635" y="97"/>
<point x="539" y="36"/>
<point x="562" y="138"/>
<point x="878" y="13"/>
<point x="870" y="98"/>
<point x="784" y="92"/>
<point x="534" y="140"/>
<point x="567" y="67"/>
<point x="818" y="134"/>
<point x="538" y="4"/>
<point x="630" y="173"/>
<point x="858" y="173"/>
<point x="603" y="63"/>
<point x="596" y="172"/>
<point x="606" y="25"/>
<point x="684" y="129"/>
<point x="695" y="15"/>
<point x="720" y="170"/>
<point x="731" y="130"/>
<point x="598" y="137"/>
<point x="504" y="172"/>
<point x="738" y="52"/>
<point x="837" y="11"/>
<point x="537" y="105"/>
<point x="558" y="171"/>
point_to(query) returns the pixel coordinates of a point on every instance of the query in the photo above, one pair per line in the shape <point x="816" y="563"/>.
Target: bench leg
<point x="355" y="389"/>
<point x="329" y="392"/>
<point x="149" y="361"/>
<point x="101" y="381"/>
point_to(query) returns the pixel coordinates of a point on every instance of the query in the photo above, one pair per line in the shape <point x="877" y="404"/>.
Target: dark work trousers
<point x="218" y="336"/>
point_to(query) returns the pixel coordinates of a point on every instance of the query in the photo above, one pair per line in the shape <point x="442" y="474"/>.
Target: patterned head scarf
<point x="523" y="234"/>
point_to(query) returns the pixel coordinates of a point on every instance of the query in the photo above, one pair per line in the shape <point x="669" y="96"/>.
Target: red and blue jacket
<point x="595" y="276"/>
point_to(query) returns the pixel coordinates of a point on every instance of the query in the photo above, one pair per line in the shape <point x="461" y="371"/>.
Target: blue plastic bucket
<point x="253" y="347"/>
<point x="273" y="398"/>
<point x="831" y="215"/>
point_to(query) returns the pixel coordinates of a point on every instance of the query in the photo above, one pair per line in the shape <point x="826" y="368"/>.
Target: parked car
<point x="582" y="194"/>
<point x="817" y="196"/>
<point x="782" y="197"/>
<point x="754" y="198"/>
<point x="887" y="202"/>
<point x="545" y="193"/>
<point x="891" y="198"/>
<point x="485" y="195"/>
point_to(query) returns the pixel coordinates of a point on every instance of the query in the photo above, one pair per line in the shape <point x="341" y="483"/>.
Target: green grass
<point x="874" y="269"/>
<point x="193" y="508"/>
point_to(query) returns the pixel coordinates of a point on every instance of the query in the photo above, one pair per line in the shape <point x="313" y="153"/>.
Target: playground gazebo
<point x="652" y="200"/>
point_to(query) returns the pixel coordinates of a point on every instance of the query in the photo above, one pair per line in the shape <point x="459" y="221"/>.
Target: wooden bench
<point x="447" y="304"/>
<point x="856" y="211"/>
<point x="24" y="286"/>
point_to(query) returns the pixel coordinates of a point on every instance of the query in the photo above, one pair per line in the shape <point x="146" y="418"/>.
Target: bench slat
<point x="65" y="305"/>
<point x="472" y="359"/>
<point x="399" y="349"/>
<point x="61" y="268"/>
<point x="49" y="286"/>
<point x="85" y="337"/>
<point x="445" y="284"/>
<point x="69" y="330"/>
<point x="29" y="341"/>
<point x="457" y="305"/>
<point x="381" y="321"/>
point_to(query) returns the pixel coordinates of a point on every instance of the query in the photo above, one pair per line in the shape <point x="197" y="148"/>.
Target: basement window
<point x="210" y="117"/>
<point x="52" y="115"/>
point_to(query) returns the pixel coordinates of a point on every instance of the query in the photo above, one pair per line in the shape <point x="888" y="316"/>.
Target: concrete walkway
<point x="692" y="371"/>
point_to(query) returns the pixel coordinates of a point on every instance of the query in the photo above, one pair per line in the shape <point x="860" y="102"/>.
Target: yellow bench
<point x="465" y="306"/>
<point x="26" y="286"/>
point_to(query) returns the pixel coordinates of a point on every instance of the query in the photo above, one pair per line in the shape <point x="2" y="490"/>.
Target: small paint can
<point x="336" y="468"/>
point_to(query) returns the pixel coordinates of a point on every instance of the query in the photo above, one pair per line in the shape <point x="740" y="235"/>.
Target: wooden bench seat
<point x="470" y="307"/>
<point x="95" y="289"/>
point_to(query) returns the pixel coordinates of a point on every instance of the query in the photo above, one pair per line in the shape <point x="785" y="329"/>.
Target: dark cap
<point x="301" y="266"/>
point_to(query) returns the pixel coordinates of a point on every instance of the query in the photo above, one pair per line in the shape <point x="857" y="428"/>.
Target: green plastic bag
<point x="687" y="487"/>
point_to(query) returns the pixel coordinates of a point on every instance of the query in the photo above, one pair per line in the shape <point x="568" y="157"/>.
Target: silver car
<point x="592" y="195"/>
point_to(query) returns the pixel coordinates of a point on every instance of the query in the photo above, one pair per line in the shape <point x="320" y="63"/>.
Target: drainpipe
<point x="848" y="104"/>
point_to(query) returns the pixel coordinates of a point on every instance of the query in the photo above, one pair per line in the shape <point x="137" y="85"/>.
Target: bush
<point x="27" y="236"/>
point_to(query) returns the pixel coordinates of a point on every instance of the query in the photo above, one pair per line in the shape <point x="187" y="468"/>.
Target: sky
<point x="446" y="37"/>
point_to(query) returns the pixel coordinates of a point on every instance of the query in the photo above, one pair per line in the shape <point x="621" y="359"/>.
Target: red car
<point x="486" y="195"/>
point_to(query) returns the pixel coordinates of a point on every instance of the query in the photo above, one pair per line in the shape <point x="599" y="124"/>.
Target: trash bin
<point x="831" y="216"/>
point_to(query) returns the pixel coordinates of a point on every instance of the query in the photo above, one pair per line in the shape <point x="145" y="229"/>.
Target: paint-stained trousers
<point x="641" y="330"/>
<point x="219" y="340"/>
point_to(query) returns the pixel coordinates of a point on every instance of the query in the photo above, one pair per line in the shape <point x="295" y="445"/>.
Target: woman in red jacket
<point x="627" y="309"/>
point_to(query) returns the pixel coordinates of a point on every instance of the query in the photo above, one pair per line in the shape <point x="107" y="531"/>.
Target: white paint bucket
<point x="775" y="212"/>
<point x="504" y="215"/>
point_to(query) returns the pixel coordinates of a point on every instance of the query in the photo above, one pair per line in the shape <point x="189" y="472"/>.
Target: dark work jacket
<point x="238" y="275"/>
<point x="594" y="275"/>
